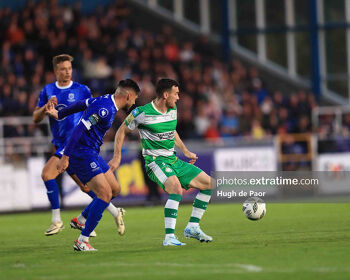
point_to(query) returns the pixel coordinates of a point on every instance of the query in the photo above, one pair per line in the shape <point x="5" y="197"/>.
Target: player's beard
<point x="170" y="105"/>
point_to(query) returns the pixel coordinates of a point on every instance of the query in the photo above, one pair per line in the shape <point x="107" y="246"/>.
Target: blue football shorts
<point x="87" y="167"/>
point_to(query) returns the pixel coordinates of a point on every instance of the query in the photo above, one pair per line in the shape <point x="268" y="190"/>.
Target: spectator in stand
<point x="212" y="134"/>
<point x="257" y="130"/>
<point x="245" y="120"/>
<point x="303" y="104"/>
<point x="186" y="54"/>
<point x="201" y="120"/>
<point x="229" y="125"/>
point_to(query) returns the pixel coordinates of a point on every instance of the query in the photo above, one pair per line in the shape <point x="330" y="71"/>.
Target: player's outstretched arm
<point x="76" y="107"/>
<point x="118" y="143"/>
<point x="178" y="142"/>
<point x="39" y="112"/>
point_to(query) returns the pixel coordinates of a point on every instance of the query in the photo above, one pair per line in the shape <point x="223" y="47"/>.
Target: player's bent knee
<point x="45" y="176"/>
<point x="106" y="196"/>
<point x="206" y="183"/>
<point x="173" y="186"/>
<point x="103" y="192"/>
<point x="207" y="186"/>
<point x="176" y="189"/>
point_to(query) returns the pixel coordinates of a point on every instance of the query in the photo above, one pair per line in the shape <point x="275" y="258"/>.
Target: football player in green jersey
<point x="156" y="122"/>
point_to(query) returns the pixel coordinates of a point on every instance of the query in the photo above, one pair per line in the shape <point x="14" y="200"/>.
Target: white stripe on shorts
<point x="158" y="172"/>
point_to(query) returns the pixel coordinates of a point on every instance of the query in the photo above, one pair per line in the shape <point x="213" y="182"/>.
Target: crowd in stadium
<point x="218" y="99"/>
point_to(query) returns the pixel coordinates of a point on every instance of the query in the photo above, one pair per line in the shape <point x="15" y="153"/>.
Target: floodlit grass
<point x="293" y="241"/>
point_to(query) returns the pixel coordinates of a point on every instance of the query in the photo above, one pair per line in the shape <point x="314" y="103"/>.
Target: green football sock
<point x="200" y="204"/>
<point x="170" y="213"/>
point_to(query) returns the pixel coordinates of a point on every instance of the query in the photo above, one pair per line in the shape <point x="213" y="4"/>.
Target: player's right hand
<point x="52" y="100"/>
<point x="114" y="163"/>
<point x="62" y="164"/>
<point x="51" y="111"/>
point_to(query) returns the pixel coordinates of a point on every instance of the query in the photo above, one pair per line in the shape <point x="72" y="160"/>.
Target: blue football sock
<point x="91" y="194"/>
<point x="52" y="193"/>
<point x="85" y="212"/>
<point x="95" y="214"/>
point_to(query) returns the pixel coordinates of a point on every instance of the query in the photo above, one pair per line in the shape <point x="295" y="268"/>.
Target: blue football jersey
<point x="98" y="117"/>
<point x="62" y="129"/>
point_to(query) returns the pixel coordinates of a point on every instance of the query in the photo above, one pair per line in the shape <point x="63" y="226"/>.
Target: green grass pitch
<point x="293" y="241"/>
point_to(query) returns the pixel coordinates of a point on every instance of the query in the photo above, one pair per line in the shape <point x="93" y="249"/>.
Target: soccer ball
<point x="254" y="208"/>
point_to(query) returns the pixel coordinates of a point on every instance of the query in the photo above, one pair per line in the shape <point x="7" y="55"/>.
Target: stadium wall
<point x="23" y="189"/>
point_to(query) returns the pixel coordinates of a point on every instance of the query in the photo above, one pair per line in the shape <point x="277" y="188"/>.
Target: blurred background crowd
<point x="218" y="99"/>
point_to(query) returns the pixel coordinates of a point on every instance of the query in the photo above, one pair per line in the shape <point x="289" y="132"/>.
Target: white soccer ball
<point x="254" y="208"/>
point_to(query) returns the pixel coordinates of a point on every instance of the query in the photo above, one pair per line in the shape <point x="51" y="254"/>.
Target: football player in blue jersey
<point x="63" y="93"/>
<point x="81" y="154"/>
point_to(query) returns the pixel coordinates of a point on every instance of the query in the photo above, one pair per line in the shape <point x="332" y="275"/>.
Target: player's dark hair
<point x="165" y="85"/>
<point x="60" y="58"/>
<point x="128" y="83"/>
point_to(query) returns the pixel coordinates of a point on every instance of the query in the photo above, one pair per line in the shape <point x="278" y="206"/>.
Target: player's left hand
<point x="192" y="156"/>
<point x="62" y="164"/>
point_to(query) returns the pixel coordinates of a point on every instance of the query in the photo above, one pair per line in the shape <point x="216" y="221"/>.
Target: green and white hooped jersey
<point x="157" y="130"/>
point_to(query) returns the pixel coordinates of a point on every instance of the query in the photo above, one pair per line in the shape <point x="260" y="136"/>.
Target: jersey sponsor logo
<point x="71" y="97"/>
<point x="166" y="135"/>
<point x="103" y="112"/>
<point x="130" y="118"/>
<point x="135" y="112"/>
<point x="94" y="119"/>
